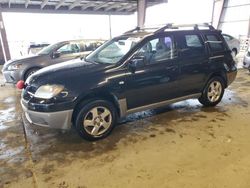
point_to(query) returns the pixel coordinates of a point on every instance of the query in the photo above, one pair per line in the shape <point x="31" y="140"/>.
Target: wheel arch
<point x="104" y="95"/>
<point x="235" y="49"/>
<point x="220" y="74"/>
<point x="28" y="69"/>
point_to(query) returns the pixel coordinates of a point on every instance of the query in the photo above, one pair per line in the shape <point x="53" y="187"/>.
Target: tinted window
<point x="193" y="41"/>
<point x="215" y="43"/>
<point x="157" y="50"/>
<point x="191" y="45"/>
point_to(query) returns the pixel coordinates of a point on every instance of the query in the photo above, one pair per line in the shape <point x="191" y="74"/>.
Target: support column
<point x="110" y="28"/>
<point x="141" y="12"/>
<point x="217" y="12"/>
<point x="248" y="33"/>
<point x="4" y="42"/>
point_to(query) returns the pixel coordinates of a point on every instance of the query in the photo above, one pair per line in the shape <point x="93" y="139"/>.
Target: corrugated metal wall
<point x="235" y="20"/>
<point x="235" y="17"/>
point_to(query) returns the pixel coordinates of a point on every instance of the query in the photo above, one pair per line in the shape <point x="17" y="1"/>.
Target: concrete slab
<point x="180" y="145"/>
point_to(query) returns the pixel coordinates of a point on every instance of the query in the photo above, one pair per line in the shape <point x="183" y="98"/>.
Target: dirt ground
<point x="180" y="146"/>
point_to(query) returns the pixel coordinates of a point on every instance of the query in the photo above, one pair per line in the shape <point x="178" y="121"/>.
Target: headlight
<point x="48" y="91"/>
<point x="14" y="67"/>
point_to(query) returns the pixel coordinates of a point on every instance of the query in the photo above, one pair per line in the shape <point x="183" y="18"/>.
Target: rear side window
<point x="215" y="43"/>
<point x="191" y="45"/>
<point x="69" y="48"/>
<point x="193" y="41"/>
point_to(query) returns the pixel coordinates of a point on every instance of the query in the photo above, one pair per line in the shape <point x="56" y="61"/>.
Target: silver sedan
<point x="21" y="69"/>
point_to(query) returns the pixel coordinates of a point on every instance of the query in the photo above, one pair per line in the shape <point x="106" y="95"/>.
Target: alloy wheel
<point x="214" y="91"/>
<point x="97" y="121"/>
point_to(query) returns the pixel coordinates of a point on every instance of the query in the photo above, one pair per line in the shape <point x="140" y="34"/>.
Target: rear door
<point x="156" y="81"/>
<point x="193" y="60"/>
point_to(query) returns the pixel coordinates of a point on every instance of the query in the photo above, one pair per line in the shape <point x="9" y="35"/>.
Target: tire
<point x="213" y="92"/>
<point x="95" y="119"/>
<point x="30" y="72"/>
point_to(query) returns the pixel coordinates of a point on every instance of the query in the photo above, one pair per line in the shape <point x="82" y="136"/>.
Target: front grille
<point x="28" y="92"/>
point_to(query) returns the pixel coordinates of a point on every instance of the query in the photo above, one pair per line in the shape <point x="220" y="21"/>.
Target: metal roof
<point x="74" y="6"/>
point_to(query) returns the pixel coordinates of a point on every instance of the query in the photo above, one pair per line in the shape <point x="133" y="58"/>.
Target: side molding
<point x="124" y="111"/>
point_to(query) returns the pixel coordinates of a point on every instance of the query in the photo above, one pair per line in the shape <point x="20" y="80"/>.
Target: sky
<point x="23" y="28"/>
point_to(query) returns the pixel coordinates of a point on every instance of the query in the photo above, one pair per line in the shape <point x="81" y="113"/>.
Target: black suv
<point x="139" y="70"/>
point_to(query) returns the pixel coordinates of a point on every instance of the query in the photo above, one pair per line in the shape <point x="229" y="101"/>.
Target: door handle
<point x="121" y="83"/>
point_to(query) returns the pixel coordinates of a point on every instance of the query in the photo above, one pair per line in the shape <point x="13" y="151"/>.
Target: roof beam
<point x="131" y="8"/>
<point x="76" y="3"/>
<point x="44" y="3"/>
<point x="87" y="5"/>
<point x="111" y="6"/>
<point x="99" y="6"/>
<point x="124" y="7"/>
<point x="59" y="4"/>
<point x="27" y="3"/>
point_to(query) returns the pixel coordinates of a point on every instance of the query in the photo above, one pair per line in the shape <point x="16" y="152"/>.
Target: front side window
<point x="215" y="43"/>
<point x="157" y="50"/>
<point x="113" y="51"/>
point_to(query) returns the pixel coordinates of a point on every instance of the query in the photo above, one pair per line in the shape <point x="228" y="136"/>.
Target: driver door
<point x="156" y="80"/>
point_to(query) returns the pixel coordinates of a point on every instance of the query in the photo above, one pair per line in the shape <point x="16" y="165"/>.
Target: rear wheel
<point x="95" y="119"/>
<point x="213" y="92"/>
<point x="234" y="53"/>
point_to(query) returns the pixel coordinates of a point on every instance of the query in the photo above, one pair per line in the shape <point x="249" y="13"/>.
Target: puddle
<point x="8" y="153"/>
<point x="6" y="116"/>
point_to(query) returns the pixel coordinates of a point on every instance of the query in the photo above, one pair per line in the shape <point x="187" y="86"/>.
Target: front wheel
<point x="213" y="92"/>
<point x="30" y="72"/>
<point x="95" y="119"/>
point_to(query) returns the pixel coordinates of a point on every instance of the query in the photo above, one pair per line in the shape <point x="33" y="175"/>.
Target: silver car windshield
<point x="113" y="51"/>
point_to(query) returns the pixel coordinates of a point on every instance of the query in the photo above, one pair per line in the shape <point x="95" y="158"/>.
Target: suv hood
<point x="66" y="72"/>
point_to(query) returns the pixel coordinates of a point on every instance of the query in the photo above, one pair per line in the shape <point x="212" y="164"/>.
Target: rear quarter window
<point x="215" y="43"/>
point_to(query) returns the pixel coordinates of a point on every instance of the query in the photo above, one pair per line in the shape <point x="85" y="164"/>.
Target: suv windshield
<point x="114" y="50"/>
<point x="47" y="50"/>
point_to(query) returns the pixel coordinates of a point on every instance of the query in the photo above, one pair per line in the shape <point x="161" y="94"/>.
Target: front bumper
<point x="57" y="120"/>
<point x="12" y="76"/>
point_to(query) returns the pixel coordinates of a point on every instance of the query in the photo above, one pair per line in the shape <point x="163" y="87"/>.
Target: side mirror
<point x="55" y="55"/>
<point x="136" y="62"/>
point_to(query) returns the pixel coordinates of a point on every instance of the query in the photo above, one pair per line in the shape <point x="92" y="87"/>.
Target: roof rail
<point x="132" y="30"/>
<point x="141" y="29"/>
<point x="171" y="26"/>
<point x="195" y="26"/>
